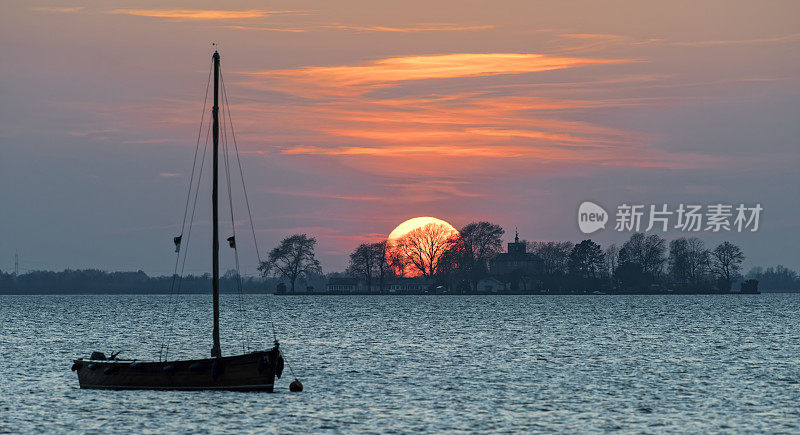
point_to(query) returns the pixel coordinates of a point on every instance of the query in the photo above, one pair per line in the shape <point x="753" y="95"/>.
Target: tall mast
<point x="216" y="351"/>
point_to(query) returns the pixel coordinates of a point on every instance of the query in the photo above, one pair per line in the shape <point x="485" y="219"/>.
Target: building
<point x="343" y="285"/>
<point x="409" y="285"/>
<point x="516" y="261"/>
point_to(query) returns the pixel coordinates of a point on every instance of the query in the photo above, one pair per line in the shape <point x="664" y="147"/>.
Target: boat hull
<point x="250" y="372"/>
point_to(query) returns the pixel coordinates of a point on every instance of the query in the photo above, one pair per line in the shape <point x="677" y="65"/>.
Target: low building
<point x="409" y="285"/>
<point x="343" y="285"/>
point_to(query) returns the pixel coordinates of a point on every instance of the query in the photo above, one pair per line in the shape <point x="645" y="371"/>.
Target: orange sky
<point x="355" y="116"/>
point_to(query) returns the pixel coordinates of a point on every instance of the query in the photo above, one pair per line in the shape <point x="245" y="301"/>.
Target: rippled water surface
<point x="421" y="363"/>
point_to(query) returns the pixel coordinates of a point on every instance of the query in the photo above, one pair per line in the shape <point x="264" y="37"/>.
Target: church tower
<point x="517" y="247"/>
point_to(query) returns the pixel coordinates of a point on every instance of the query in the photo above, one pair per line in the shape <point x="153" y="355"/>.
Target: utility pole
<point x="16" y="263"/>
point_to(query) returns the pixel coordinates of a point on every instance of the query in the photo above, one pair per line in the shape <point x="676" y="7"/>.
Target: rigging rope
<point x="249" y="213"/>
<point x="188" y="196"/>
<point x="247" y="202"/>
<point x="242" y="317"/>
<point x="188" y="238"/>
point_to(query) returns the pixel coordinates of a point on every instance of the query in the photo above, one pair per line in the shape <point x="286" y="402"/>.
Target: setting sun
<point x="417" y="222"/>
<point x="415" y="248"/>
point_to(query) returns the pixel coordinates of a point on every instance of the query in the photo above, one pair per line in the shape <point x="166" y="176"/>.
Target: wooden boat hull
<point x="250" y="372"/>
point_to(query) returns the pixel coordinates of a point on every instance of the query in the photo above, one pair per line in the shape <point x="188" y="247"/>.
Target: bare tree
<point x="395" y="259"/>
<point x="611" y="257"/>
<point x="554" y="255"/>
<point x="481" y="241"/>
<point x="699" y="260"/>
<point x="451" y="270"/>
<point x="362" y="263"/>
<point x="369" y="261"/>
<point x="421" y="249"/>
<point x="379" y="251"/>
<point x="726" y="262"/>
<point x="292" y="259"/>
<point x="649" y="252"/>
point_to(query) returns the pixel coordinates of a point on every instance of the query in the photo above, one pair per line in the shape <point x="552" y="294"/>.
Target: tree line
<point x="93" y="281"/>
<point x="456" y="261"/>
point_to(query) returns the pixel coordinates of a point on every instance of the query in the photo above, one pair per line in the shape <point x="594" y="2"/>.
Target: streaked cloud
<point x="591" y="36"/>
<point x="268" y="29"/>
<point x="416" y="28"/>
<point x="63" y="10"/>
<point x="198" y="14"/>
<point x="543" y="154"/>
<point x="590" y="42"/>
<point x="466" y="130"/>
<point x="775" y="39"/>
<point x="383" y="72"/>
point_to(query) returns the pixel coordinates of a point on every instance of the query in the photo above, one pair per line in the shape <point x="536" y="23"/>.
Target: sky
<point x="353" y="116"/>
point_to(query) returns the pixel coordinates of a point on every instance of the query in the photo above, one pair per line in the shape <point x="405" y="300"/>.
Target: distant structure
<point x="517" y="260"/>
<point x="398" y="285"/>
<point x="16" y="263"/>
<point x="343" y="285"/>
<point x="513" y="270"/>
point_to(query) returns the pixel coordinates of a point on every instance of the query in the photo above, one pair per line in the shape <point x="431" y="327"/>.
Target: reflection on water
<point x="429" y="363"/>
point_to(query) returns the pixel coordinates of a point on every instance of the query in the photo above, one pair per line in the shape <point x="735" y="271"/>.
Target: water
<point x="423" y="363"/>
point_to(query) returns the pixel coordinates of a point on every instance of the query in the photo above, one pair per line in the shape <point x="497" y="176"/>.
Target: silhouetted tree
<point x="646" y="251"/>
<point x="630" y="276"/>
<point x="726" y="262"/>
<point x="451" y="272"/>
<point x="395" y="259"/>
<point x="369" y="261"/>
<point x="611" y="257"/>
<point x="363" y="263"/>
<point x="688" y="261"/>
<point x="641" y="262"/>
<point x="421" y="249"/>
<point x="555" y="263"/>
<point x="379" y="250"/>
<point x="779" y="278"/>
<point x="554" y="255"/>
<point x="292" y="259"/>
<point x="481" y="241"/>
<point x="91" y="281"/>
<point x="586" y="260"/>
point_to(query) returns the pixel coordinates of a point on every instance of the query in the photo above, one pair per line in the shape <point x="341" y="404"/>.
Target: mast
<point x="216" y="351"/>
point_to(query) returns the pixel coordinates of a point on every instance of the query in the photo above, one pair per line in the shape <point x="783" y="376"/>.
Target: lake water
<point x="422" y="363"/>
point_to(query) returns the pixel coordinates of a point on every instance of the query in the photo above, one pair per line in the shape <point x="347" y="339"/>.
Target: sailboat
<point x="253" y="371"/>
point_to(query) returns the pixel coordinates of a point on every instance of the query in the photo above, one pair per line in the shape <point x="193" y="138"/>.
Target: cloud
<point x="590" y="36"/>
<point x="383" y="72"/>
<point x="776" y="39"/>
<point x="198" y="14"/>
<point x="428" y="27"/>
<point x="453" y="133"/>
<point x="268" y="29"/>
<point x="414" y="28"/>
<point x="589" y="42"/>
<point x="63" y="10"/>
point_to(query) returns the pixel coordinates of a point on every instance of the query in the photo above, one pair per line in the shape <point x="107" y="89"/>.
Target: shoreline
<point x="634" y="293"/>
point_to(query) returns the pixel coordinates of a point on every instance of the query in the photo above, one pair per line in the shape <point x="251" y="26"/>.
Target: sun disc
<point x="417" y="222"/>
